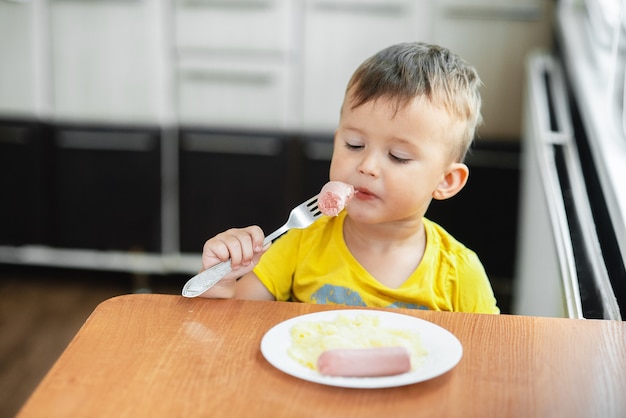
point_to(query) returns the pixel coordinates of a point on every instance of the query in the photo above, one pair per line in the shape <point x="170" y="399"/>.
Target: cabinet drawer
<point x="230" y="180"/>
<point x="107" y="61"/>
<point x="18" y="48"/>
<point x="236" y="96"/>
<point x="24" y="183"/>
<point x="234" y="26"/>
<point x="108" y="189"/>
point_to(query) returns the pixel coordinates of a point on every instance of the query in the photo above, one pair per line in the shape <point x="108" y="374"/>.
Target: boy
<point x="407" y="121"/>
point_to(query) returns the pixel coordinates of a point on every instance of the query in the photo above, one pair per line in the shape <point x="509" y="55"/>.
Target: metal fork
<point x="301" y="216"/>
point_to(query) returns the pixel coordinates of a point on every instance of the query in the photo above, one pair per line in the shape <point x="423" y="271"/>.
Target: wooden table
<point x="164" y="355"/>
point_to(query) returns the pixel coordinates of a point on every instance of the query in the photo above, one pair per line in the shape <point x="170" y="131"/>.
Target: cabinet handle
<point x="318" y="151"/>
<point x="18" y="1"/>
<point x="513" y="12"/>
<point x="229" y="5"/>
<point x="105" y="141"/>
<point x="92" y="1"/>
<point x="378" y="9"/>
<point x="231" y="144"/>
<point x="14" y="135"/>
<point x="228" y="77"/>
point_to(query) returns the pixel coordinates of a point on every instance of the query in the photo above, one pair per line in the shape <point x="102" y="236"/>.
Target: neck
<point x="384" y="237"/>
<point x="389" y="252"/>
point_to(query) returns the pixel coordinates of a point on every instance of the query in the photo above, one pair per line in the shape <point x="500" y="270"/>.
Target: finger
<point x="240" y="245"/>
<point x="220" y="248"/>
<point x="234" y="241"/>
<point x="251" y="242"/>
<point x="215" y="248"/>
<point x="257" y="236"/>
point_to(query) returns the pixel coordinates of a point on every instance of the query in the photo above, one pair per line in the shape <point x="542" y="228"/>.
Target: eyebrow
<point x="404" y="141"/>
<point x="394" y="139"/>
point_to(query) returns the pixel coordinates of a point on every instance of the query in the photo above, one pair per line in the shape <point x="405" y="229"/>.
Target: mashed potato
<point x="310" y="339"/>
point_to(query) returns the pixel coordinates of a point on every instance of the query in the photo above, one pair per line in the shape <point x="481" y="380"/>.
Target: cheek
<point x="336" y="167"/>
<point x="339" y="162"/>
<point x="333" y="169"/>
<point x="411" y="186"/>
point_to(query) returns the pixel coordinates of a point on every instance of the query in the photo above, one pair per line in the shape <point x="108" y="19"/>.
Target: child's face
<point x="395" y="161"/>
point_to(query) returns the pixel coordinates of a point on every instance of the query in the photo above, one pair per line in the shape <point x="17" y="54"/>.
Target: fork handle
<point x="271" y="237"/>
<point x="206" y="279"/>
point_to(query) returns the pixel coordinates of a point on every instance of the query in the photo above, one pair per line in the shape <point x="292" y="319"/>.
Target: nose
<point x="369" y="165"/>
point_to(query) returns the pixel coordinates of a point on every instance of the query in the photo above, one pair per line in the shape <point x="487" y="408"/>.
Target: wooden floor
<point x="41" y="310"/>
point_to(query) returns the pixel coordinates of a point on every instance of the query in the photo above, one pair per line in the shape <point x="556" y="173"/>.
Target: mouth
<point x="363" y="194"/>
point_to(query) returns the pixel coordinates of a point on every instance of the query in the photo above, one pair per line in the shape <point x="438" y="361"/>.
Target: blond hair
<point x="406" y="71"/>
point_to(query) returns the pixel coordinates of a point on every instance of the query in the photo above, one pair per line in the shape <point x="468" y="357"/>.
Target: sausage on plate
<point x="364" y="362"/>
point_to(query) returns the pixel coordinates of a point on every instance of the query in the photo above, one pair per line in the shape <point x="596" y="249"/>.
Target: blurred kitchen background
<point x="133" y="130"/>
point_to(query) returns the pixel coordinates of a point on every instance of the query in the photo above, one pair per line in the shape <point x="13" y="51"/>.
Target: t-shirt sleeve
<point x="276" y="267"/>
<point x="474" y="292"/>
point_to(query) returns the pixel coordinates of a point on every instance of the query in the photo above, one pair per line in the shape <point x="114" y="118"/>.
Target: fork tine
<point x="311" y="204"/>
<point x="312" y="201"/>
<point x="316" y="213"/>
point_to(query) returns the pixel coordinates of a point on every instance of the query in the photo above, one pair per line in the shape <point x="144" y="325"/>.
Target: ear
<point x="452" y="182"/>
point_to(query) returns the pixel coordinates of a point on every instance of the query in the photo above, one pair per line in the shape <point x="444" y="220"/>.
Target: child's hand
<point x="243" y="246"/>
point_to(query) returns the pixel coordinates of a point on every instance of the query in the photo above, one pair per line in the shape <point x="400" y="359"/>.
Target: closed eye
<point x="399" y="160"/>
<point x="353" y="146"/>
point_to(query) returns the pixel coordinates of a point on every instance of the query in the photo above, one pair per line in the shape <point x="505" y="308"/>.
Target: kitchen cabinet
<point x="231" y="179"/>
<point x="235" y="64"/>
<point x="107" y="61"/>
<point x="235" y="26"/>
<point x="227" y="94"/>
<point x="24" y="183"/>
<point x="338" y="36"/>
<point x="495" y="36"/>
<point x="107" y="188"/>
<point x="21" y="85"/>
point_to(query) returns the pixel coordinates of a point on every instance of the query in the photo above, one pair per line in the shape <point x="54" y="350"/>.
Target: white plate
<point x="444" y="350"/>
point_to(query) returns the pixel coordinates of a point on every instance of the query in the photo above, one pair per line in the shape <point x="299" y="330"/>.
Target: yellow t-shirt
<point x="314" y="265"/>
